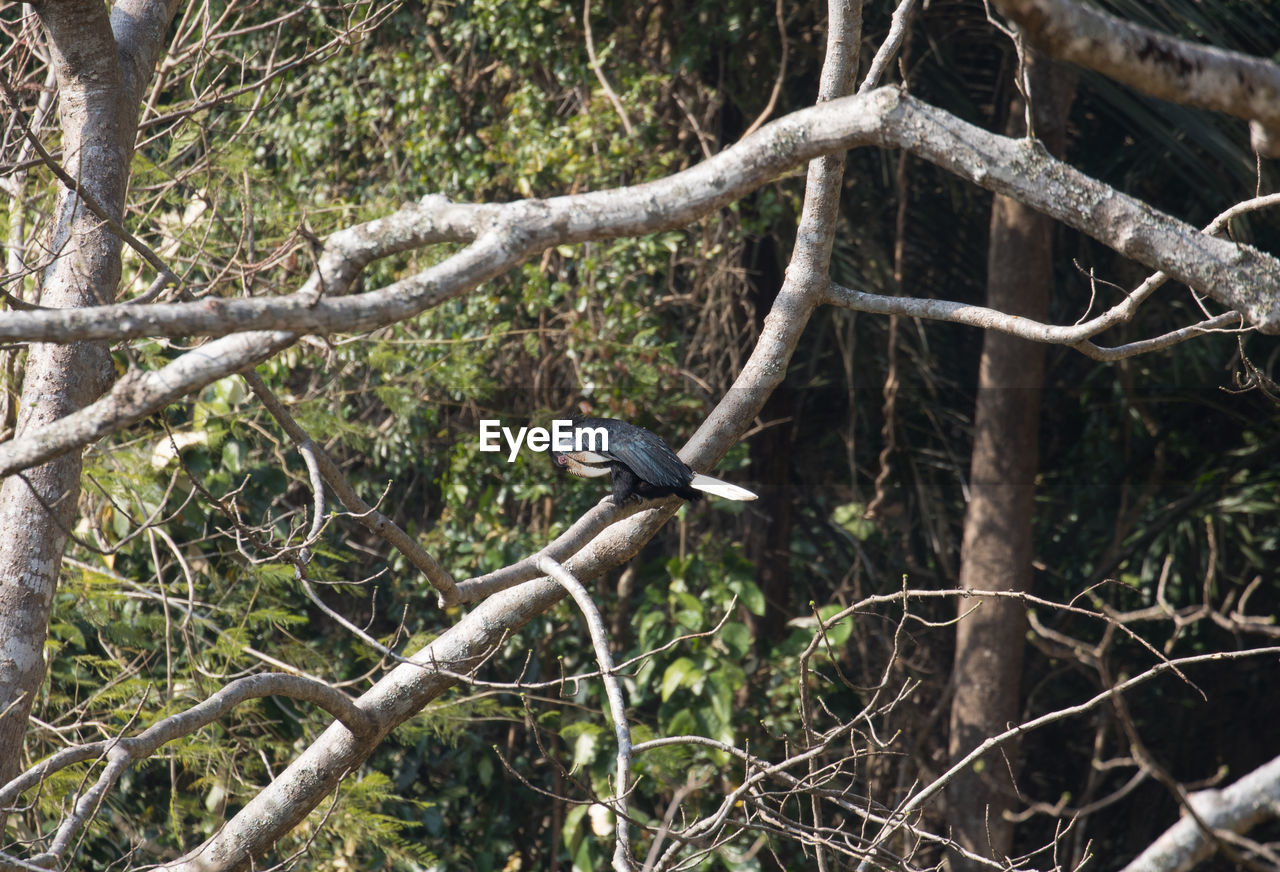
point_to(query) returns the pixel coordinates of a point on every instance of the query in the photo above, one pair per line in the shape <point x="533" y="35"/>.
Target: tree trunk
<point x="102" y="66"/>
<point x="996" y="552"/>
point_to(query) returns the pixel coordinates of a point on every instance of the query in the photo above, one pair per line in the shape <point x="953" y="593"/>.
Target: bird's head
<point x="574" y="465"/>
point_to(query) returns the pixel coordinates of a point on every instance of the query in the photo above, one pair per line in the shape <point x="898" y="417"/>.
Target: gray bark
<point x="1156" y="63"/>
<point x="1236" y="808"/>
<point x="1238" y="276"/>
<point x="101" y="66"/>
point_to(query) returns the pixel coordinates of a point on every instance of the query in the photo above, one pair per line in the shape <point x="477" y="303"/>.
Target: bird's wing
<point x="645" y="454"/>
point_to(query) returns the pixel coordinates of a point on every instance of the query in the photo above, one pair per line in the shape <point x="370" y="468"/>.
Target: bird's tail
<point x="715" y="486"/>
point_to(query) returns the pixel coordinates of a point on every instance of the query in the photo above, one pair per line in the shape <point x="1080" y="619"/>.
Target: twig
<point x="779" y="13"/>
<point x="897" y="33"/>
<point x="164" y="273"/>
<point x="595" y="68"/>
<point x="376" y="522"/>
<point x="912" y="805"/>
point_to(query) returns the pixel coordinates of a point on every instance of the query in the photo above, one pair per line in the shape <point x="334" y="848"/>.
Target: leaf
<point x="749" y="593"/>
<point x="737" y="638"/>
<point x="680" y="673"/>
<point x="584" y="749"/>
<point x="851" y="517"/>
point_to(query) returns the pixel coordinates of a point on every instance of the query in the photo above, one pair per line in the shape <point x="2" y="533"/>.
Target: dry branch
<point x="1236" y="275"/>
<point x="138" y="395"/>
<point x="1237" y="808"/>
<point x="372" y="519"/>
<point x="122" y="753"/>
<point x="1156" y="63"/>
<point x="622" y="859"/>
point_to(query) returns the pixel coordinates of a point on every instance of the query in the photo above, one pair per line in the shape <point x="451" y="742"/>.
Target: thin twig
<point x="595" y="68"/>
<point x="168" y="275"/>
<point x="376" y="522"/>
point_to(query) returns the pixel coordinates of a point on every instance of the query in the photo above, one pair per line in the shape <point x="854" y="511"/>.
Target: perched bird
<point x="642" y="465"/>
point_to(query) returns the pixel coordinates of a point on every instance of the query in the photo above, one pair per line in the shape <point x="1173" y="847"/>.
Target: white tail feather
<point x="715" y="486"/>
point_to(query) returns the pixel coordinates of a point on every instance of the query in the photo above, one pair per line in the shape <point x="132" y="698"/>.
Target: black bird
<point x="642" y="465"/>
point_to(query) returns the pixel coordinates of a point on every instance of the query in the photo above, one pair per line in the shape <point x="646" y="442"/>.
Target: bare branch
<point x="1227" y="321"/>
<point x="1158" y="669"/>
<point x="892" y="42"/>
<point x="166" y="276"/>
<point x="1237" y="808"/>
<point x="595" y="68"/>
<point x="122" y="753"/>
<point x="779" y="15"/>
<point x="622" y="859"/>
<point x="401" y="694"/>
<point x="138" y="395"/>
<point x="1236" y="275"/>
<point x="373" y="520"/>
<point x="1075" y="336"/>
<point x="1156" y="63"/>
<point x="597" y="519"/>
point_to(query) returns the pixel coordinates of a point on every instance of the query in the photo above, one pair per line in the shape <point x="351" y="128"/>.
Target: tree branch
<point x="165" y="275"/>
<point x="122" y="753"/>
<point x="923" y="796"/>
<point x="1236" y="275"/>
<point x="1252" y="799"/>
<point x="138" y="395"/>
<point x="1156" y="63"/>
<point x="1076" y="336"/>
<point x="622" y="859"/>
<point x="597" y="519"/>
<point x="372" y="519"/>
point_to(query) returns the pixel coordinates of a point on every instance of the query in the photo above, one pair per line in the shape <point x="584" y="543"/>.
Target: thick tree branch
<point x="403" y="692"/>
<point x="1236" y="275"/>
<point x="138" y="395"/>
<point x="280" y="806"/>
<point x="598" y="518"/>
<point x="1156" y="63"/>
<point x="1237" y="808"/>
<point x="1078" y="335"/>
<point x="121" y="753"/>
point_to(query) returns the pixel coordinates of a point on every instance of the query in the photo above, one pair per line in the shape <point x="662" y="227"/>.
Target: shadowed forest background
<point x="1154" y="483"/>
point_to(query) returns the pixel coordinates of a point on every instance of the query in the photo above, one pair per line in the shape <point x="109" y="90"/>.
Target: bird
<point x="642" y="465"/>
